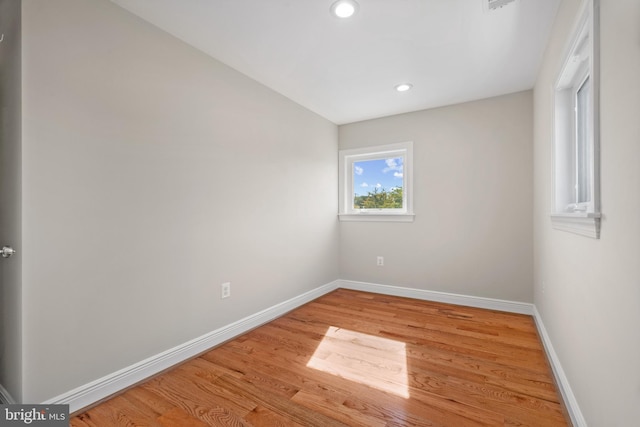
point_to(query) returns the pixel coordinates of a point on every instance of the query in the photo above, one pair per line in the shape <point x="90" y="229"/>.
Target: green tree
<point x="379" y="198"/>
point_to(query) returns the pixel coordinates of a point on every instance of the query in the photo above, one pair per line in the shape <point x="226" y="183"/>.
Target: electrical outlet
<point x="225" y="290"/>
<point x="380" y="261"/>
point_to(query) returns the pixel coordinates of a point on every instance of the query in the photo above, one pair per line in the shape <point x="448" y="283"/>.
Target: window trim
<point x="567" y="213"/>
<point x="346" y="191"/>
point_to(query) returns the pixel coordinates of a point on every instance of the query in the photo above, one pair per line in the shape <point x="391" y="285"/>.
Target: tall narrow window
<point x="583" y="150"/>
<point x="576" y="131"/>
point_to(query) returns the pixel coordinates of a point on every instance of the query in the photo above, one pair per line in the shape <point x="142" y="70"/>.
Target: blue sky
<point x="382" y="173"/>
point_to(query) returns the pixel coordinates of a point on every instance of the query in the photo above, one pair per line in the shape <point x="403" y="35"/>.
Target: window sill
<point x="583" y="223"/>
<point x="380" y="217"/>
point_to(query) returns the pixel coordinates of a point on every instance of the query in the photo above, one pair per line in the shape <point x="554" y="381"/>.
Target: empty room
<point x="321" y="212"/>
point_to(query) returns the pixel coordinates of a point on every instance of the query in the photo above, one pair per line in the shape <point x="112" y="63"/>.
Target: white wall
<point x="587" y="290"/>
<point x="473" y="201"/>
<point x="151" y="174"/>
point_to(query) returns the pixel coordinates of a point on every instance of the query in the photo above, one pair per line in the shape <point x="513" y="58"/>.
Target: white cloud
<point x="378" y="185"/>
<point x="364" y="185"/>
<point x="394" y="165"/>
<point x="357" y="170"/>
<point x="391" y="164"/>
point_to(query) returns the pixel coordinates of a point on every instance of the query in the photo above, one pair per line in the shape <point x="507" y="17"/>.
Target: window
<point x="583" y="152"/>
<point x="576" y="205"/>
<point x="376" y="183"/>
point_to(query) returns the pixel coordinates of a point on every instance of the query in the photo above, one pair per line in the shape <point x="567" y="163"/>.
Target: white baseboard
<point x="561" y="379"/>
<point x="106" y="386"/>
<point x="466" y="300"/>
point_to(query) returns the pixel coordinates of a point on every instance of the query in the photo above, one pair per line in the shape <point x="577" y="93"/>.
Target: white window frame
<point x="346" y="190"/>
<point x="581" y="62"/>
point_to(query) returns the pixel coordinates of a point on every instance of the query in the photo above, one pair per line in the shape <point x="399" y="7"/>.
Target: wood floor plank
<point x="80" y="422"/>
<point x="480" y="395"/>
<point x="176" y="417"/>
<point x="354" y="358"/>
<point x="119" y="412"/>
<point x="536" y="384"/>
<point x="194" y="400"/>
<point x="337" y="410"/>
<point x="285" y="407"/>
<point x="143" y="397"/>
<point x="201" y="393"/>
<point x="263" y="417"/>
<point x="419" y="332"/>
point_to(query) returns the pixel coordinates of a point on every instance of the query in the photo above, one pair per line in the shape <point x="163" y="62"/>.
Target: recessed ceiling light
<point x="403" y="87"/>
<point x="344" y="8"/>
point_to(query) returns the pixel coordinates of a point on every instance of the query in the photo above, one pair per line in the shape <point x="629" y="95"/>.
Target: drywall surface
<point x="586" y="290"/>
<point x="472" y="232"/>
<point x="152" y="174"/>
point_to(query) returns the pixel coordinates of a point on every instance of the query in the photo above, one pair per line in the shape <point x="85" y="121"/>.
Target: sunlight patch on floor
<point x="378" y="362"/>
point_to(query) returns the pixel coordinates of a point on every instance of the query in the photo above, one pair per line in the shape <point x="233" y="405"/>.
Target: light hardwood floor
<point x="356" y="359"/>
